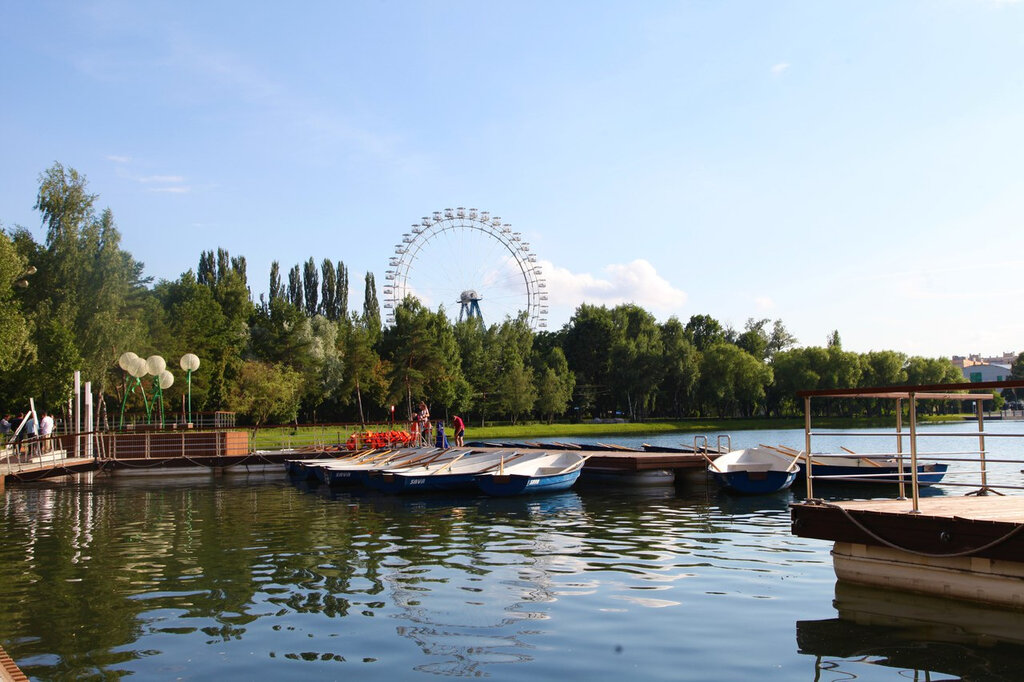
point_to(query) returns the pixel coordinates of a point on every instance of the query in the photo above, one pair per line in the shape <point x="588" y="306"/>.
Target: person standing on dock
<point x="460" y="429"/>
<point x="424" y="415"/>
<point x="31" y="430"/>
<point x="46" y="431"/>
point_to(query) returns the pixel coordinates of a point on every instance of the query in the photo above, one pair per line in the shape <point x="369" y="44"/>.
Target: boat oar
<point x="710" y="461"/>
<point x="491" y="468"/>
<point x="447" y="465"/>
<point x="863" y="459"/>
<point x="787" y="452"/>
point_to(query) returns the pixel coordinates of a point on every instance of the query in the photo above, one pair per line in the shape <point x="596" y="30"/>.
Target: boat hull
<point x="927" y="474"/>
<point x="522" y="484"/>
<point x="754" y="482"/>
<point x="398" y="484"/>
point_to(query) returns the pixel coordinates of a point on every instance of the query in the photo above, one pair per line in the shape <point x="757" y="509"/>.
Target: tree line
<point x="299" y="354"/>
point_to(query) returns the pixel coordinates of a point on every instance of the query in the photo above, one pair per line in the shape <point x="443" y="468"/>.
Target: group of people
<point x="25" y="434"/>
<point x="421" y="427"/>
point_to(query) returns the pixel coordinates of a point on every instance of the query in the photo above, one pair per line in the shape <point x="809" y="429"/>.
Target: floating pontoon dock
<point x="966" y="547"/>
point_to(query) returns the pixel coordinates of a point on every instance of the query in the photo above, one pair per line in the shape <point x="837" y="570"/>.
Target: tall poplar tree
<point x="371" y="309"/>
<point x="329" y="291"/>
<point x="276" y="289"/>
<point x="295" y="287"/>
<point x="311" y="287"/>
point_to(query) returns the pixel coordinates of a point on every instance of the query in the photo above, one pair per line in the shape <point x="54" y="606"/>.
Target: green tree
<point x="265" y="391"/>
<point x="705" y="331"/>
<point x="325" y="372"/>
<point x="510" y="348"/>
<point x="555" y="384"/>
<point x="88" y="284"/>
<point x="329" y="291"/>
<point x="471" y="337"/>
<point x="734" y="381"/>
<point x="516" y="391"/>
<point x="311" y="287"/>
<point x="342" y="274"/>
<point x="371" y="307"/>
<point x="681" y="362"/>
<point x="588" y="339"/>
<point x="364" y="368"/>
<point x="637" y="358"/>
<point x="447" y="386"/>
<point x="16" y="346"/>
<point x="409" y="347"/>
<point x="295" y="288"/>
<point x="276" y="289"/>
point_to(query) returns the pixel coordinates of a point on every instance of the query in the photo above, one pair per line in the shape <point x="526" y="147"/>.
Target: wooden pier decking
<point x="133" y="453"/>
<point x="967" y="547"/>
<point x="980" y="526"/>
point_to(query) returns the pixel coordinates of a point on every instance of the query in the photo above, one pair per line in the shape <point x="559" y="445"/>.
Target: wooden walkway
<point x="602" y="461"/>
<point x="983" y="526"/>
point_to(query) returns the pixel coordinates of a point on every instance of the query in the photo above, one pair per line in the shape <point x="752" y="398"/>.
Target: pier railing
<point x="66" y="451"/>
<point x="908" y="475"/>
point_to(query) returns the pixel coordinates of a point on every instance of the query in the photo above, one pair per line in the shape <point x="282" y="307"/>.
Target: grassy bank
<point x="590" y="431"/>
<point x="274" y="436"/>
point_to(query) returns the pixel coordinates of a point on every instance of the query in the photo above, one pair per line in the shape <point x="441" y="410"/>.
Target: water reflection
<point x="255" y="576"/>
<point x="916" y="634"/>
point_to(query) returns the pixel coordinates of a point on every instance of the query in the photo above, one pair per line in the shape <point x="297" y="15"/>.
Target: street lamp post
<point x="190" y="363"/>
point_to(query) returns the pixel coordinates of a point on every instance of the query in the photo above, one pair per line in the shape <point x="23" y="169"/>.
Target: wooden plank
<point x="985" y="528"/>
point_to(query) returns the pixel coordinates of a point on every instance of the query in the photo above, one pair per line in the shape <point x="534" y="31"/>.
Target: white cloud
<point x="780" y="68"/>
<point x="118" y="159"/>
<point x="635" y="282"/>
<point x="175" y="189"/>
<point x="764" y="303"/>
<point x="162" y="179"/>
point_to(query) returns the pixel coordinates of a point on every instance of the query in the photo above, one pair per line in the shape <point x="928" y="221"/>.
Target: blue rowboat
<point x="753" y="471"/>
<point x="356" y="472"/>
<point x="542" y="473"/>
<point x="861" y="470"/>
<point x="852" y="467"/>
<point x="454" y="474"/>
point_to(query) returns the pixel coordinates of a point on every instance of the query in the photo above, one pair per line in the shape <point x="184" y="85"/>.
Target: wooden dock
<point x="962" y="547"/>
<point x="969" y="547"/>
<point x="177" y="454"/>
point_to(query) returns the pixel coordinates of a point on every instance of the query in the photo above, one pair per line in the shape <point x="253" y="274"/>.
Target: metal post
<point x="807" y="447"/>
<point x="78" y="414"/>
<point x="899" y="448"/>
<point x="913" y="452"/>
<point x="981" y="447"/>
<point x="88" y="419"/>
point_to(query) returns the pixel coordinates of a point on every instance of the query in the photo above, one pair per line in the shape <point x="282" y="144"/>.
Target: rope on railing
<point x="951" y="555"/>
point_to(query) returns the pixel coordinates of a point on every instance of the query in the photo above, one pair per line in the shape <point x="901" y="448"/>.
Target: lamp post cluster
<point x="156" y="367"/>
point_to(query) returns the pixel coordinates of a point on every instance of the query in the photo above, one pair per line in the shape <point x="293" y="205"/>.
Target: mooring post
<point x="913" y="454"/>
<point x="981" y="445"/>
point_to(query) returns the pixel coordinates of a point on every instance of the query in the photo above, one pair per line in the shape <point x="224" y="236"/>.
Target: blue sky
<point x="837" y="165"/>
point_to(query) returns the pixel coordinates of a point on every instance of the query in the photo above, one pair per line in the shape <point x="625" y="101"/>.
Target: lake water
<point x="248" y="577"/>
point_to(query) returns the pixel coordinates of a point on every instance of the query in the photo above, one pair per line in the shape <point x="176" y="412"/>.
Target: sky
<point x="852" y="166"/>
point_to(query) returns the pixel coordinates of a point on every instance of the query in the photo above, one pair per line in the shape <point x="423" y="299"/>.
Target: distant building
<point x="986" y="372"/>
<point x="964" y="361"/>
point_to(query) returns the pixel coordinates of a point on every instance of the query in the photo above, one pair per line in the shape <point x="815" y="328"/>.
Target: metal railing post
<point x="807" y="447"/>
<point x="899" y="448"/>
<point x="913" y="453"/>
<point x="981" y="447"/>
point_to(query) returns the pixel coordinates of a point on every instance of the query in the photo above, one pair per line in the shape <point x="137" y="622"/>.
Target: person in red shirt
<point x="460" y="429"/>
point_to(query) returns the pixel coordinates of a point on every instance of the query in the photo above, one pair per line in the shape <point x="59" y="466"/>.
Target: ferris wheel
<point x="467" y="258"/>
